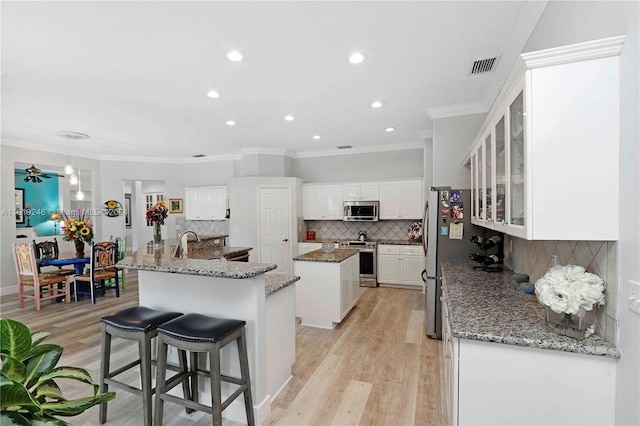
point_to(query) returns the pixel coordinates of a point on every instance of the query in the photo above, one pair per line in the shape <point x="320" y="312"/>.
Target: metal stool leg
<point x="216" y="394"/>
<point x="144" y="347"/>
<point x="161" y="366"/>
<point x="244" y="370"/>
<point x="105" y="359"/>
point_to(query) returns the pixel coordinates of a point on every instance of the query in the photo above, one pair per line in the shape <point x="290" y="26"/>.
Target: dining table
<point x="77" y="262"/>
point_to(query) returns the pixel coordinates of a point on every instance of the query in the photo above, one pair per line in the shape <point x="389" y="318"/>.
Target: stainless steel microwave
<point x="360" y="211"/>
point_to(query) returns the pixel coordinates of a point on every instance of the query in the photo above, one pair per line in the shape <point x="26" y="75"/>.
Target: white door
<point x="275" y="228"/>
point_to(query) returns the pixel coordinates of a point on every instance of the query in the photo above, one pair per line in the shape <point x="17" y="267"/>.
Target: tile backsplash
<point x="534" y="258"/>
<point x="202" y="227"/>
<point x="381" y="230"/>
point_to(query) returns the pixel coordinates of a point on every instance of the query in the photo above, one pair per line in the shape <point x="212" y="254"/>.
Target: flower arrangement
<point x="158" y="213"/>
<point x="566" y="289"/>
<point x="79" y="229"/>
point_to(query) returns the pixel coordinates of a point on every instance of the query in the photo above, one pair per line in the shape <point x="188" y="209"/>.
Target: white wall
<point x="565" y="23"/>
<point x="208" y="172"/>
<point x="428" y="164"/>
<point x="360" y="167"/>
<point x="452" y="137"/>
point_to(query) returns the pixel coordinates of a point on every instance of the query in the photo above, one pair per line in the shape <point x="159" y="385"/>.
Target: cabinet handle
<point x="285" y="240"/>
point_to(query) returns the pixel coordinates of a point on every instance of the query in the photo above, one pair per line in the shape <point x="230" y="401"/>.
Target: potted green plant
<point x="29" y="394"/>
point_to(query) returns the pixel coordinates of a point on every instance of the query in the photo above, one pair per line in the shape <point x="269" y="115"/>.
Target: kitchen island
<point x="502" y="366"/>
<point x="238" y="290"/>
<point x="329" y="286"/>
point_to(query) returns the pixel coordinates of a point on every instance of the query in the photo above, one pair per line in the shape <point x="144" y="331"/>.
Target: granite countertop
<point x="215" y="253"/>
<point x="337" y="256"/>
<point x="273" y="283"/>
<point x="487" y="306"/>
<point x="160" y="259"/>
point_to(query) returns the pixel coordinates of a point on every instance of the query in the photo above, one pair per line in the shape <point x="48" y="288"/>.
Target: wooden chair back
<point x="102" y="267"/>
<point x="49" y="250"/>
<point x="28" y="275"/>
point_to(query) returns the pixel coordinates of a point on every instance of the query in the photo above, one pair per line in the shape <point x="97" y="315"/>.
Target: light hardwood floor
<point x="376" y="368"/>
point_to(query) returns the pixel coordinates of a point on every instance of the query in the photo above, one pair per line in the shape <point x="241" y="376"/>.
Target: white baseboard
<point x="12" y="289"/>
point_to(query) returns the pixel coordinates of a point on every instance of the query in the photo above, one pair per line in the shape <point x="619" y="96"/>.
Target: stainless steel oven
<point x="368" y="262"/>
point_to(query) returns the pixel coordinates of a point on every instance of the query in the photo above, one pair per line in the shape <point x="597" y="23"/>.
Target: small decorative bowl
<point x="528" y="288"/>
<point x="328" y="247"/>
<point x="521" y="278"/>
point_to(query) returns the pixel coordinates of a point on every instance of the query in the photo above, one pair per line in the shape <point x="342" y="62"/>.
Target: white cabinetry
<point x="308" y="247"/>
<point x="205" y="203"/>
<point x="400" y="264"/>
<point x="362" y="191"/>
<point x="322" y="202"/>
<point x="326" y="291"/>
<point x="401" y="199"/>
<point x="549" y="148"/>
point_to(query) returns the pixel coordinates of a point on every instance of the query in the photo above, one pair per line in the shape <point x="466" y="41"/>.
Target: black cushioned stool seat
<point x="199" y="333"/>
<point x="137" y="323"/>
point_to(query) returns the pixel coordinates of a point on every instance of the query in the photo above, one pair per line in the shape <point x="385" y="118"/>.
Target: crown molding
<point x="426" y="134"/>
<point x="363" y="150"/>
<point x="594" y="49"/>
<point x="456" y="110"/>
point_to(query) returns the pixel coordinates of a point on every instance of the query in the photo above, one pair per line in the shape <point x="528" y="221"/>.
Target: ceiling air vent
<point x="483" y="65"/>
<point x="344" y="147"/>
<point x="198" y="155"/>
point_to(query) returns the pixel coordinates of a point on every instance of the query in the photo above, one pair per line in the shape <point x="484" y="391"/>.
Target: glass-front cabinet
<point x="516" y="162"/>
<point x="500" y="157"/>
<point x="538" y="159"/>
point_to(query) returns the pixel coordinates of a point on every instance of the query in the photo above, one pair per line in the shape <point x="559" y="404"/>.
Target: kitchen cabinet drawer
<point x="412" y="250"/>
<point x="388" y="249"/>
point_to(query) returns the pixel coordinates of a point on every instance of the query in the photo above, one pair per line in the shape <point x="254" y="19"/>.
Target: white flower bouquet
<point x="566" y="289"/>
<point x="569" y="294"/>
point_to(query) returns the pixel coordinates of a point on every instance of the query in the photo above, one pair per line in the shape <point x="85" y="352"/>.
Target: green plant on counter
<point x="29" y="394"/>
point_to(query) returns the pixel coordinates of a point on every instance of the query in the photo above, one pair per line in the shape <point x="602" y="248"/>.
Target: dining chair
<point x="49" y="250"/>
<point x="122" y="248"/>
<point x="102" y="266"/>
<point x="28" y="276"/>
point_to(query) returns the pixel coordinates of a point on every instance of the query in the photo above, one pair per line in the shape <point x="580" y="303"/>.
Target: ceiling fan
<point x="34" y="174"/>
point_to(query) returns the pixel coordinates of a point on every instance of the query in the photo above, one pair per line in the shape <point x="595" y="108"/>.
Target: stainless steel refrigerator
<point x="444" y="207"/>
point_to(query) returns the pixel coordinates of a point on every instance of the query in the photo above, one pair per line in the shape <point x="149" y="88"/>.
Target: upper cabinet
<point x="544" y="165"/>
<point x="361" y="191"/>
<point x="206" y="203"/>
<point x="401" y="199"/>
<point x="322" y="202"/>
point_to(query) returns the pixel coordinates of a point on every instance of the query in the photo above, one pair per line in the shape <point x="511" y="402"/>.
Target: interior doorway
<point x="274" y="227"/>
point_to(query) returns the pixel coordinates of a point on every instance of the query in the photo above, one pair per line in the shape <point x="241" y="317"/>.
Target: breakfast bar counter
<point x="239" y="290"/>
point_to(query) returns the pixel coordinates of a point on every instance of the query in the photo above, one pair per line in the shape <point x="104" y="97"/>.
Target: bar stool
<point x="138" y="323"/>
<point x="200" y="333"/>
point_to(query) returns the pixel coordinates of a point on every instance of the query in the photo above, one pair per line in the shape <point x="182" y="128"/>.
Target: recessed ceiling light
<point x="234" y="56"/>
<point x="213" y="94"/>
<point x="316" y="137"/>
<point x="288" y="117"/>
<point x="356" y="58"/>
<point x="389" y="129"/>
<point x="231" y="123"/>
<point x="376" y="104"/>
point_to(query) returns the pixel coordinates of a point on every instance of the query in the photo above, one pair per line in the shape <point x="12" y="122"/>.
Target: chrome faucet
<point x="179" y="250"/>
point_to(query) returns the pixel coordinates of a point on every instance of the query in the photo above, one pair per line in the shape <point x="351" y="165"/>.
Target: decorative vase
<point x="157" y="234"/>
<point x="579" y="326"/>
<point x="79" y="248"/>
<point x="328" y="247"/>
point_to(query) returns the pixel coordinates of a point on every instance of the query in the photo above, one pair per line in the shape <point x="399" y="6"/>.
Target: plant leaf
<point x="16" y="395"/>
<point x="15" y="339"/>
<point x="76" y="406"/>
<point x="38" y="337"/>
<point x="20" y="419"/>
<point x="13" y="418"/>
<point x="13" y="369"/>
<point x="42" y="359"/>
<point x="74" y="373"/>
<point x="49" y="389"/>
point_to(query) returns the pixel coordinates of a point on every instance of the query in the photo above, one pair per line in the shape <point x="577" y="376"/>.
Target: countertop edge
<point x="245" y="270"/>
<point x="337" y="256"/>
<point x="276" y="282"/>
<point x="465" y="294"/>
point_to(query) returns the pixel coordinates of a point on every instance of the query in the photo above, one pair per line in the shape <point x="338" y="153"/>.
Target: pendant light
<point x="73" y="179"/>
<point x="68" y="169"/>
<point x="80" y="194"/>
